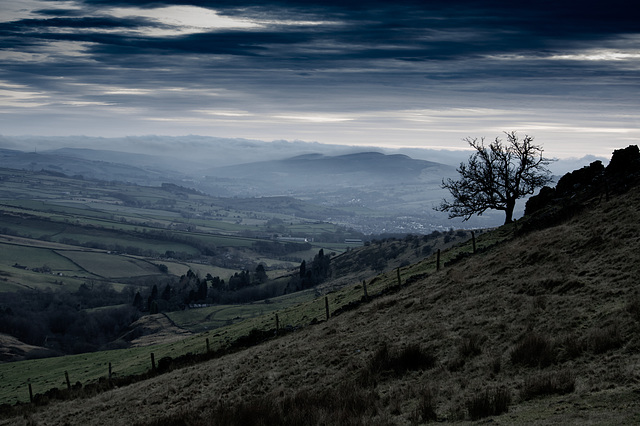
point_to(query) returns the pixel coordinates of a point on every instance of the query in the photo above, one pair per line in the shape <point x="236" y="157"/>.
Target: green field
<point x="117" y="216"/>
<point x="110" y="266"/>
<point x="220" y="324"/>
<point x="209" y="318"/>
<point x="58" y="233"/>
<point x="299" y="309"/>
<point x="48" y="373"/>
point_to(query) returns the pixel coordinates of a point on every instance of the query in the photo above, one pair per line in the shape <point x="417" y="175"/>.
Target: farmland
<point x="99" y="227"/>
<point x="84" y="249"/>
<point x="81" y="260"/>
<point x="221" y="325"/>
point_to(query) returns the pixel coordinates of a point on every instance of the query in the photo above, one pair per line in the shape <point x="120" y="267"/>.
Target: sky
<point x="411" y="74"/>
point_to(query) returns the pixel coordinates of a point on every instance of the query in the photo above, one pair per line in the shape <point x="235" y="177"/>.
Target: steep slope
<point x="547" y="323"/>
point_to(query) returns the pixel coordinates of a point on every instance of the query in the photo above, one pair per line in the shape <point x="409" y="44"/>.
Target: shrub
<point x="552" y="383"/>
<point x="533" y="350"/>
<point x="413" y="357"/>
<point x="489" y="403"/>
<point x="398" y="361"/>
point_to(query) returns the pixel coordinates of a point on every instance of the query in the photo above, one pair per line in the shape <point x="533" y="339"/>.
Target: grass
<point x="111" y="266"/>
<point x="345" y="405"/>
<point x="295" y="310"/>
<point x="44" y="374"/>
<point x="484" y="309"/>
<point x="533" y="350"/>
<point x="548" y="383"/>
<point x="36" y="257"/>
<point x="488" y="402"/>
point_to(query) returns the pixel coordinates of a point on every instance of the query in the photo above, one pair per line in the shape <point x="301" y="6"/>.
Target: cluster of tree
<point x="178" y="189"/>
<point x="244" y="279"/>
<point x="311" y="276"/>
<point x="64" y="321"/>
<point x="242" y="287"/>
<point x="126" y="199"/>
<point x="191" y="288"/>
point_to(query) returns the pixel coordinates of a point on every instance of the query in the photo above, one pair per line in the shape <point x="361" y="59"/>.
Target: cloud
<point x="404" y="72"/>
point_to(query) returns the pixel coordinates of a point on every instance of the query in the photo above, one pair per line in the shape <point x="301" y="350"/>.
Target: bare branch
<point x="495" y="177"/>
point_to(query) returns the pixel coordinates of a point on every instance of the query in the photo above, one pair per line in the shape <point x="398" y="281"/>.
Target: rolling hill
<point x="388" y="192"/>
<point x="321" y="171"/>
<point x="541" y="328"/>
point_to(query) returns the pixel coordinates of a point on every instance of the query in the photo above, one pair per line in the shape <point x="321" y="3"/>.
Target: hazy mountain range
<point x="389" y="191"/>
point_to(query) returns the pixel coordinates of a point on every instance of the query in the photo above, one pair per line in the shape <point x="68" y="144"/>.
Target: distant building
<point x="357" y="241"/>
<point x="295" y="239"/>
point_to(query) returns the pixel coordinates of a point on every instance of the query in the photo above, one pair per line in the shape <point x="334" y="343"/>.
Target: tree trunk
<point x="511" y="204"/>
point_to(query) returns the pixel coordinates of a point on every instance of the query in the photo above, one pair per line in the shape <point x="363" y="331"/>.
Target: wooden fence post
<point x="30" y="392"/>
<point x="277" y="324"/>
<point x="207" y="345"/>
<point x="326" y="306"/>
<point x="399" y="280"/>
<point x="438" y="261"/>
<point x="364" y="285"/>
<point x="153" y="362"/>
<point x="66" y="376"/>
<point x="109" y="371"/>
<point x="473" y="239"/>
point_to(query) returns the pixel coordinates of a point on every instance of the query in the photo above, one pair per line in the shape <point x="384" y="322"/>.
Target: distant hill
<point x="322" y="171"/>
<point x="385" y="192"/>
<point x="391" y="192"/>
<point x="90" y="164"/>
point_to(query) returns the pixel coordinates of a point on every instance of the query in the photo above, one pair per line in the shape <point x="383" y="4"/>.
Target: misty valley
<point x="83" y="258"/>
<point x="119" y="282"/>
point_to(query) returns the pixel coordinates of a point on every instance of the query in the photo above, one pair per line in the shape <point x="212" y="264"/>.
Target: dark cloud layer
<point x="350" y="58"/>
<point x="404" y="30"/>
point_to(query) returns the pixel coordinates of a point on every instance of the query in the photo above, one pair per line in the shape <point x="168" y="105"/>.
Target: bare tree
<point x="495" y="177"/>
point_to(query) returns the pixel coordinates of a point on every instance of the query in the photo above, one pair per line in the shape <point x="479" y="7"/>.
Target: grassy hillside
<point x="541" y="328"/>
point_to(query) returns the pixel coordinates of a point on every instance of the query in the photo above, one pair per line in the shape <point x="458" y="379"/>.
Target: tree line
<point x="66" y="322"/>
<point x="241" y="287"/>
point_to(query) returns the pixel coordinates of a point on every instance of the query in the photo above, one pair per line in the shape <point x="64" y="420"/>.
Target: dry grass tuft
<point x="489" y="402"/>
<point x="548" y="383"/>
<point x="534" y="350"/>
<point x="471" y="345"/>
<point x="426" y="409"/>
<point x="397" y="361"/>
<point x="601" y="340"/>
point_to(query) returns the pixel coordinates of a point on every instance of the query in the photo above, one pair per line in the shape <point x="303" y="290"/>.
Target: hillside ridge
<point x="540" y="329"/>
